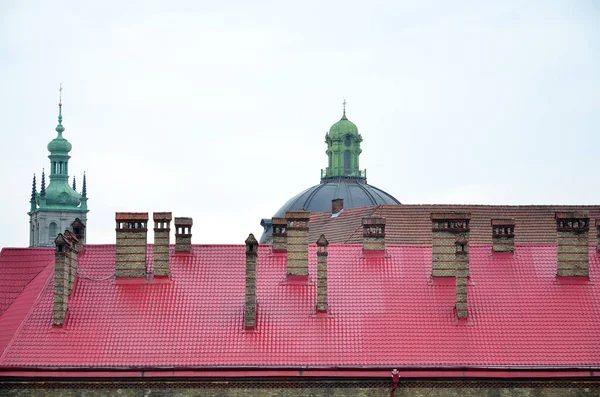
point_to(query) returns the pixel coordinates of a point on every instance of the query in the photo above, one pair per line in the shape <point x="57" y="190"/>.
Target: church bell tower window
<point x="347" y="162"/>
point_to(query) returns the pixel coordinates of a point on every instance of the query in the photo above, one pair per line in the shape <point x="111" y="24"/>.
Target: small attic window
<point x="347" y="141"/>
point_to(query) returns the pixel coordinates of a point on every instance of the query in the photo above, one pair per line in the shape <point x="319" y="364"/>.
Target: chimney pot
<point x="503" y="235"/>
<point x="183" y="234"/>
<point x="297" y="239"/>
<point x="279" y="235"/>
<point x="373" y="234"/>
<point x="572" y="229"/>
<point x="162" y="232"/>
<point x="132" y="244"/>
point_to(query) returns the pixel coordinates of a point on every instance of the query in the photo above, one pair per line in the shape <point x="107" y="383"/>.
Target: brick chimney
<point x="598" y="233"/>
<point x="251" y="257"/>
<point x="64" y="274"/>
<point x="446" y="228"/>
<point x="572" y="229"/>
<point x="162" y="232"/>
<point x="337" y="205"/>
<point x="279" y="234"/>
<point x="132" y="240"/>
<point x="322" y="244"/>
<point x="297" y="250"/>
<point x="373" y="234"/>
<point x="183" y="234"/>
<point x="72" y="257"/>
<point x="462" y="272"/>
<point x="503" y="235"/>
<point x="79" y="230"/>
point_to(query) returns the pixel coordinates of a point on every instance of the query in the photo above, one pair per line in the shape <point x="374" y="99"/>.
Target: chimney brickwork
<point x="183" y="234"/>
<point x="132" y="240"/>
<point x="462" y="273"/>
<point x="251" y="258"/>
<point x="598" y="234"/>
<point x="297" y="242"/>
<point x="373" y="234"/>
<point x="279" y="234"/>
<point x="162" y="231"/>
<point x="337" y="205"/>
<point x="503" y="235"/>
<point x="322" y="245"/>
<point x="79" y="231"/>
<point x="572" y="229"/>
<point x="72" y="257"/>
<point x="447" y="230"/>
<point x="65" y="272"/>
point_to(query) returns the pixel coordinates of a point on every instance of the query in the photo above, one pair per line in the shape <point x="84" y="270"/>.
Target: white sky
<point x="218" y="109"/>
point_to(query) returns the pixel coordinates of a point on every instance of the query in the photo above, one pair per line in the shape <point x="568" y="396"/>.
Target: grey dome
<point x="355" y="192"/>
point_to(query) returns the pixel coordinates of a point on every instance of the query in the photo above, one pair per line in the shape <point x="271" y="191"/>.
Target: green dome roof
<point x="59" y="144"/>
<point x="59" y="193"/>
<point x="343" y="127"/>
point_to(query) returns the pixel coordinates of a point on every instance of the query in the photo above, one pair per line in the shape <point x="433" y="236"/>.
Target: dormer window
<point x="347" y="141"/>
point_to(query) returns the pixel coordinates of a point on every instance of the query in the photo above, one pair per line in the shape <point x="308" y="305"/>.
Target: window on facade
<point x="347" y="162"/>
<point x="347" y="141"/>
<point x="52" y="230"/>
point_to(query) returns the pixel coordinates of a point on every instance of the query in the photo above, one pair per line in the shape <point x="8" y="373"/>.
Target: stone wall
<point x="225" y="388"/>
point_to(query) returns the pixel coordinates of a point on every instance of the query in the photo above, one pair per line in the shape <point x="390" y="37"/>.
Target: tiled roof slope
<point x="385" y="312"/>
<point x="411" y="223"/>
<point x="18" y="267"/>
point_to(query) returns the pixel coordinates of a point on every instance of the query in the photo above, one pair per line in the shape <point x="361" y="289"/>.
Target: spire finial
<point x="33" y="188"/>
<point x="74" y="184"/>
<point x="344" y="103"/>
<point x="84" y="190"/>
<point x="43" y="188"/>
<point x="59" y="127"/>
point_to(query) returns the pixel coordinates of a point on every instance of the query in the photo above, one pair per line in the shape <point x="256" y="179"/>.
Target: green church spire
<point x="43" y="188"/>
<point x="33" y="189"/>
<point x="84" y="190"/>
<point x="343" y="150"/>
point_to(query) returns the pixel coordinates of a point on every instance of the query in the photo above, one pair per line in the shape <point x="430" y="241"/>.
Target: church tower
<point x="55" y="207"/>
<point x="343" y="150"/>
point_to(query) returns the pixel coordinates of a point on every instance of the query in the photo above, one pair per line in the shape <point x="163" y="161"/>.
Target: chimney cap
<point x="503" y="222"/>
<point x="131" y="216"/>
<point x="450" y="216"/>
<point x="183" y="221"/>
<point x="301" y="214"/>
<point x="61" y="240"/>
<point x="77" y="223"/>
<point x="279" y="221"/>
<point x="322" y="241"/>
<point x="162" y="216"/>
<point x="373" y="221"/>
<point x="571" y="215"/>
<point x="251" y="240"/>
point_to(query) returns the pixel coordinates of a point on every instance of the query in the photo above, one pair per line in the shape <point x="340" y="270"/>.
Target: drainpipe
<point x="396" y="380"/>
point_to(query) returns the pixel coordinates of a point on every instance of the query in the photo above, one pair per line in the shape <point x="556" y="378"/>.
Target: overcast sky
<point x="218" y="109"/>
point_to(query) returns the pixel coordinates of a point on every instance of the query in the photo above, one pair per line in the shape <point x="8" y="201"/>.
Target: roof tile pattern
<point x="411" y="223"/>
<point x="383" y="312"/>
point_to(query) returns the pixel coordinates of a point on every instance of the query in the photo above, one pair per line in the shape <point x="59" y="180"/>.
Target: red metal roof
<point x="385" y="312"/>
<point x="18" y="267"/>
